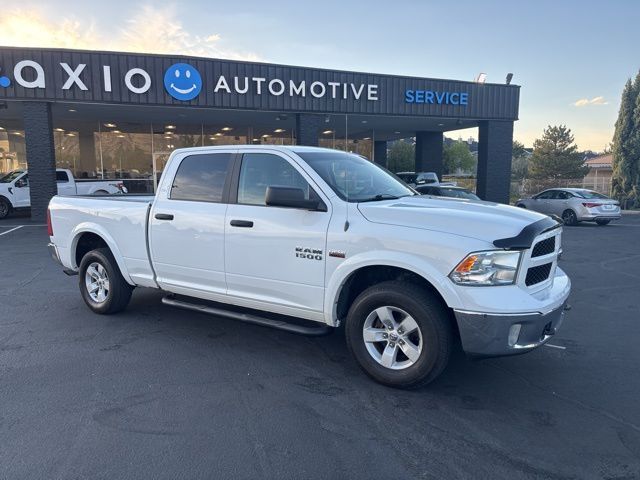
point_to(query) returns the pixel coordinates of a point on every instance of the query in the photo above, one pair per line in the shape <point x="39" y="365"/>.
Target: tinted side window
<point x="62" y="177"/>
<point x="262" y="170"/>
<point x="562" y="195"/>
<point x="201" y="177"/>
<point x="546" y="195"/>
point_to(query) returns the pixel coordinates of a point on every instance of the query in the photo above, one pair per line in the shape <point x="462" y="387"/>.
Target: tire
<point x="569" y="218"/>
<point x="5" y="208"/>
<point x="116" y="291"/>
<point x="521" y="205"/>
<point x="602" y="223"/>
<point x="433" y="335"/>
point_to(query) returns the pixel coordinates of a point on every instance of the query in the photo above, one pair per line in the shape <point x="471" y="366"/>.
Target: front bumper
<point x="491" y="335"/>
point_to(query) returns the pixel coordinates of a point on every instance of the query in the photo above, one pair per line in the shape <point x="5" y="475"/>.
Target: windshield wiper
<point x="381" y="196"/>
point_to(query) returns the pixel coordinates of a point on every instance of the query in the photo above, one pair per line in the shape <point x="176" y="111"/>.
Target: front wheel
<point x="569" y="217"/>
<point x="5" y="208"/>
<point x="400" y="334"/>
<point x="102" y="286"/>
<point x="602" y="223"/>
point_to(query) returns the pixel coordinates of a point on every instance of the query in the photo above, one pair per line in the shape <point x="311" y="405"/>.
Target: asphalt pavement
<point x="159" y="393"/>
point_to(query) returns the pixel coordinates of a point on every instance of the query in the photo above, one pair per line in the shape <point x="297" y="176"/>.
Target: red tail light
<point x="591" y="204"/>
<point x="49" y="226"/>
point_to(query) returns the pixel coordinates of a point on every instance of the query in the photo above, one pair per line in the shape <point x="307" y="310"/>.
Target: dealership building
<point x="119" y="115"/>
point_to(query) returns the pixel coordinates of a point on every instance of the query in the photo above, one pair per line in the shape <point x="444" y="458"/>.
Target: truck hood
<point x="480" y="220"/>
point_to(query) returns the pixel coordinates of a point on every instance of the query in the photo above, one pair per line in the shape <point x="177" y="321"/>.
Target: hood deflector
<point x="528" y="234"/>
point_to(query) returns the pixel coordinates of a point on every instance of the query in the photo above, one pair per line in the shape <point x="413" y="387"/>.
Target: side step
<point x="250" y="318"/>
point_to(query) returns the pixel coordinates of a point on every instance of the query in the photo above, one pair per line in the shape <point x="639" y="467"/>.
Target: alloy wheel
<point x="96" y="280"/>
<point x="392" y="337"/>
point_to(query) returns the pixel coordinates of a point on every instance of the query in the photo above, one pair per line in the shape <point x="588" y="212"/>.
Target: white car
<point x="574" y="205"/>
<point x="305" y="239"/>
<point x="15" y="193"/>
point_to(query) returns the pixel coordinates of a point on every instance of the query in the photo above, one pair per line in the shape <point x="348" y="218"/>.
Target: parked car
<point x="281" y="235"/>
<point x="574" y="205"/>
<point x="15" y="191"/>
<point x="412" y="178"/>
<point x="446" y="191"/>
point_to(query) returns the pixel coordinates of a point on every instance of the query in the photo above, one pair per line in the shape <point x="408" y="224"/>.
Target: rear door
<point x="559" y="203"/>
<point x="65" y="184"/>
<point x="275" y="255"/>
<point x="187" y="223"/>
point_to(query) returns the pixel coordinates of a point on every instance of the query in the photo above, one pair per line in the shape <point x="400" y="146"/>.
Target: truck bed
<point x="120" y="219"/>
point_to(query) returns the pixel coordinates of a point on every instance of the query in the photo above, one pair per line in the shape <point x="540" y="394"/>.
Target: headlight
<point x="494" y="267"/>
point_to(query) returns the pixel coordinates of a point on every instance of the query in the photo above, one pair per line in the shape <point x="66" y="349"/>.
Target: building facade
<point x="119" y="115"/>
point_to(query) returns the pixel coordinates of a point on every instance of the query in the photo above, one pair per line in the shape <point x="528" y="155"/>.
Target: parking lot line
<point x="12" y="230"/>
<point x="555" y="346"/>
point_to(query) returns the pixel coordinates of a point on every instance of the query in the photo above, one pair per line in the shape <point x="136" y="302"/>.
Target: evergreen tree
<point x="556" y="156"/>
<point x="401" y="156"/>
<point x="625" y="182"/>
<point x="519" y="162"/>
<point x="456" y="156"/>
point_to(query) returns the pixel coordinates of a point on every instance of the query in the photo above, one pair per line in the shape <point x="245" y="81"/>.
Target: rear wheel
<point x="5" y="208"/>
<point x="603" y="222"/>
<point x="400" y="334"/>
<point x="102" y="286"/>
<point x="569" y="217"/>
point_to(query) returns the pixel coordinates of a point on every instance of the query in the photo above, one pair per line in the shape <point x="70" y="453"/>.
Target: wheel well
<point x="366" y="277"/>
<point x="2" y="197"/>
<point x="88" y="241"/>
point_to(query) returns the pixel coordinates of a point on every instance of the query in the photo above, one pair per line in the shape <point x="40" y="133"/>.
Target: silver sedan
<point x="574" y="205"/>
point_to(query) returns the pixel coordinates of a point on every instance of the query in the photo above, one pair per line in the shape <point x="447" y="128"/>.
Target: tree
<point x="556" y="156"/>
<point x="519" y="161"/>
<point x="625" y="182"/>
<point x="456" y="156"/>
<point x="401" y="156"/>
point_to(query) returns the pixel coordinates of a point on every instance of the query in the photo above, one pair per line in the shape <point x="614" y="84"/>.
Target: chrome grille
<point x="538" y="274"/>
<point x="544" y="247"/>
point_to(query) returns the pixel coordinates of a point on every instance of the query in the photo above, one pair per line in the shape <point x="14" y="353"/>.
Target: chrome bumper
<point x="492" y="335"/>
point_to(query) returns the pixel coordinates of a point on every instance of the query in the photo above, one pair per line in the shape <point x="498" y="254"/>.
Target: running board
<point x="250" y="318"/>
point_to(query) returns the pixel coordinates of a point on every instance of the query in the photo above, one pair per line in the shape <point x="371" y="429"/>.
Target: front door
<point x="187" y="224"/>
<point x="21" y="192"/>
<point x="275" y="255"/>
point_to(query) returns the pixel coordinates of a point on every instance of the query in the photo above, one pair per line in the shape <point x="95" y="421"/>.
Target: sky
<point x="571" y="58"/>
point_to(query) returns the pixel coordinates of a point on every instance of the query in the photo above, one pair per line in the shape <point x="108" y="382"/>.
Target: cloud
<point x="583" y="102"/>
<point x="152" y="30"/>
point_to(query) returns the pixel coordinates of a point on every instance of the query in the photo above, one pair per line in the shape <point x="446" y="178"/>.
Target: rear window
<point x="590" y="194"/>
<point x="201" y="177"/>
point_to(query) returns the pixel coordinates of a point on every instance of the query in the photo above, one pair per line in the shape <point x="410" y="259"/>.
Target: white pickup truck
<point x="305" y="239"/>
<point x="15" y="191"/>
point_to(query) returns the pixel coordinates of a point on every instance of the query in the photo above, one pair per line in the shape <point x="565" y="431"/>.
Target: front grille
<point x="538" y="274"/>
<point x="545" y="247"/>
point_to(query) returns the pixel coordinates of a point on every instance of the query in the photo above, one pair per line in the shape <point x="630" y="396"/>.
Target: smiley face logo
<point x="182" y="81"/>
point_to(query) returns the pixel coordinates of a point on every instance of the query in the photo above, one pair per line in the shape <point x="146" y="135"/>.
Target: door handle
<point x="164" y="216"/>
<point x="241" y="223"/>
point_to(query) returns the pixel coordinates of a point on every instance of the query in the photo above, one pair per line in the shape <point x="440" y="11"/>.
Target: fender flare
<point x="11" y="206"/>
<point x="411" y="263"/>
<point x="88" y="227"/>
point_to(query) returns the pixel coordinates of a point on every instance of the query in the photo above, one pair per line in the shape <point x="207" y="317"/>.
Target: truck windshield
<point x="355" y="179"/>
<point x="11" y="176"/>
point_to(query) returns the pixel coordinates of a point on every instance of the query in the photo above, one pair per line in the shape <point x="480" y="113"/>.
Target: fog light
<point x="514" y="333"/>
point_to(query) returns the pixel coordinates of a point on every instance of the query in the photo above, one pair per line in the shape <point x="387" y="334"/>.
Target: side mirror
<point x="21" y="183"/>
<point x="291" y="197"/>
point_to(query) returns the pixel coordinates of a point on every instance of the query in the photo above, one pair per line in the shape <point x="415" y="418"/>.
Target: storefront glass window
<point x="12" y="151"/>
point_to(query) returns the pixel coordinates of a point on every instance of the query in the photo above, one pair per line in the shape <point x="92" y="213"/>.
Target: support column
<point x="87" y="161"/>
<point x="41" y="160"/>
<point x="380" y="152"/>
<point x="429" y="152"/>
<point x="308" y="129"/>
<point x="495" y="149"/>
